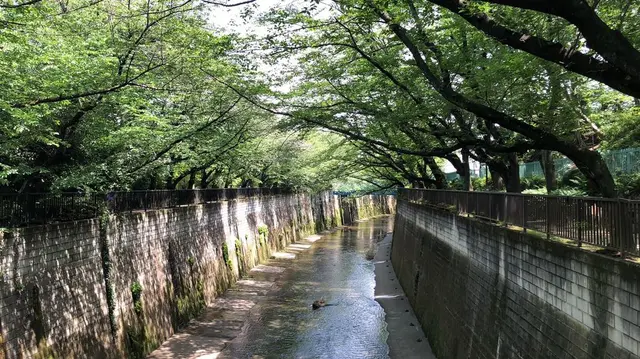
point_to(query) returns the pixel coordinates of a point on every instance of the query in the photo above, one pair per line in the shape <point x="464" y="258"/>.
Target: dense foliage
<point x="131" y="95"/>
<point x="499" y="82"/>
<point x="114" y="94"/>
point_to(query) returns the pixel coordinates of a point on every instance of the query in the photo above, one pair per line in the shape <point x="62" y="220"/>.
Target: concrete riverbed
<point x="268" y="314"/>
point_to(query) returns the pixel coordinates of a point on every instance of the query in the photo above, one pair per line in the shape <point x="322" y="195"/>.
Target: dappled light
<point x="268" y="269"/>
<point x="168" y="167"/>
<point x="124" y="283"/>
<point x="298" y="247"/>
<point x="350" y="326"/>
<point x="280" y="255"/>
<point x="313" y="238"/>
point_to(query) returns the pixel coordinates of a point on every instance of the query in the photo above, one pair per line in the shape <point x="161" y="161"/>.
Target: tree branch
<point x="88" y="93"/>
<point x="185" y="137"/>
<point x="229" y="5"/>
<point x="607" y="42"/>
<point x="14" y="6"/>
<point x="574" y="61"/>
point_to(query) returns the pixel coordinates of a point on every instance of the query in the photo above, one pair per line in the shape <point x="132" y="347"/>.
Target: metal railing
<point x="23" y="209"/>
<point x="602" y="222"/>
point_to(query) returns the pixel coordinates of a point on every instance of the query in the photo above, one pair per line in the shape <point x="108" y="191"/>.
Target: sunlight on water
<point x="351" y="326"/>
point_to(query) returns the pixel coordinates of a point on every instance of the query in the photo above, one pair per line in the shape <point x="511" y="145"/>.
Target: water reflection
<point x="285" y="326"/>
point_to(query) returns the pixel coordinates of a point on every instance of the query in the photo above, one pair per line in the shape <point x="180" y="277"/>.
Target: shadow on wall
<point x="119" y="285"/>
<point x="355" y="208"/>
<point x="53" y="292"/>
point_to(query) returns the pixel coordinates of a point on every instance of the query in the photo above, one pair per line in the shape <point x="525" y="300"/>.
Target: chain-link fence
<point x="619" y="161"/>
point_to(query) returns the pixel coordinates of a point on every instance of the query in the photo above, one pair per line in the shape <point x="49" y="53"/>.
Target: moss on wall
<point x="179" y="258"/>
<point x="190" y="304"/>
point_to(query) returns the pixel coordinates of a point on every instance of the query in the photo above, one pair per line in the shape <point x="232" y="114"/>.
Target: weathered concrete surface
<point x="208" y="335"/>
<point x="66" y="288"/>
<point x="269" y="315"/>
<point x="406" y="339"/>
<point x="485" y="291"/>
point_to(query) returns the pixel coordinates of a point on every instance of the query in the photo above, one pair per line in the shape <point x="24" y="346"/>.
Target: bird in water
<point x="317" y="304"/>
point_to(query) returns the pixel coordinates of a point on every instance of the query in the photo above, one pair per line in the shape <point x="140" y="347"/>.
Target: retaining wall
<point x="483" y="291"/>
<point x="355" y="208"/>
<point x="119" y="285"/>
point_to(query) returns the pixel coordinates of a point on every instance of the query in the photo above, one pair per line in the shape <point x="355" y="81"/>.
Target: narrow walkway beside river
<point x="269" y="315"/>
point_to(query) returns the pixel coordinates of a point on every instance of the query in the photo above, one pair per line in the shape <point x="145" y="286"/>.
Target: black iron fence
<point x="40" y="208"/>
<point x="602" y="222"/>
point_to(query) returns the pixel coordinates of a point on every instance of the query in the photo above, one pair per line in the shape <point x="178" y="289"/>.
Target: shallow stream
<point x="336" y="269"/>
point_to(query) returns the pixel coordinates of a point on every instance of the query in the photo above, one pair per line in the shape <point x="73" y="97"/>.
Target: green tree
<point x="428" y="68"/>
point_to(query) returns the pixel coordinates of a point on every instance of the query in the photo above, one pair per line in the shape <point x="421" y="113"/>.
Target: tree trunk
<point x="192" y="180"/>
<point x="591" y="164"/>
<point x="497" y="183"/>
<point x="620" y="71"/>
<point x="169" y="184"/>
<point x="466" y="179"/>
<point x="462" y="168"/>
<point x="512" y="176"/>
<point x="549" y="169"/>
<point x="153" y="182"/>
<point x="203" y="179"/>
<point x="438" y="175"/>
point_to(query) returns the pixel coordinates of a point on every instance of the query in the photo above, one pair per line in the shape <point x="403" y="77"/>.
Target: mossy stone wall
<point x="119" y="285"/>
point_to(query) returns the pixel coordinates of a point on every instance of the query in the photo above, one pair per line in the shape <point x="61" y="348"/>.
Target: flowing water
<point x="335" y="268"/>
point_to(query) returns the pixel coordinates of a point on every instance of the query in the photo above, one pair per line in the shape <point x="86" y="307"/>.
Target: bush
<point x="534" y="182"/>
<point x="479" y="183"/>
<point x="537" y="191"/>
<point x="575" y="184"/>
<point x="573" y="178"/>
<point x="456" y="184"/>
<point x="628" y="185"/>
<point x="570" y="192"/>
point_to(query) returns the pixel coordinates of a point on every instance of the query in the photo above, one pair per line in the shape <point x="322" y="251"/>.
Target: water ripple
<point x="335" y="268"/>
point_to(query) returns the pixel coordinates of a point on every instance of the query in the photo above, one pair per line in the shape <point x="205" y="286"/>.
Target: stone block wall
<point x="119" y="285"/>
<point x="354" y="208"/>
<point x="483" y="291"/>
<point x="52" y="283"/>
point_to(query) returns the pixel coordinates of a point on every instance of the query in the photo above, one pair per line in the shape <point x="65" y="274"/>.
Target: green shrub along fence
<point x="602" y="222"/>
<point x="619" y="161"/>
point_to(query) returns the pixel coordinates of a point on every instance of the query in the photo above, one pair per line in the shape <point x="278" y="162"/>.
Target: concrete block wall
<point x="354" y="208"/>
<point x="482" y="291"/>
<point x="52" y="290"/>
<point x="67" y="290"/>
<point x="177" y="256"/>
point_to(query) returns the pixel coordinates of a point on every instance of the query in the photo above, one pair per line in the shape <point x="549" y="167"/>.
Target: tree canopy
<point x="101" y="95"/>
<point x="130" y="95"/>
<point x="426" y="78"/>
